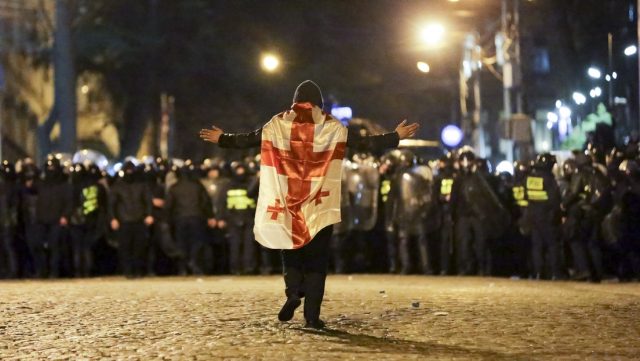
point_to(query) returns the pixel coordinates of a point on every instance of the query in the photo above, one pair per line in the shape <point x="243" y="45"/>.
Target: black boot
<point x="288" y="309"/>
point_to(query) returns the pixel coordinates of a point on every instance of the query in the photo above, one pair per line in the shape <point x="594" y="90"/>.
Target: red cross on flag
<point x="300" y="176"/>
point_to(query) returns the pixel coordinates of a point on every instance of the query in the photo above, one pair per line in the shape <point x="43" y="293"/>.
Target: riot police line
<point x="452" y="216"/>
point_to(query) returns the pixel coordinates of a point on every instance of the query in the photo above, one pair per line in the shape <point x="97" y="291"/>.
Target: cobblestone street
<point x="368" y="317"/>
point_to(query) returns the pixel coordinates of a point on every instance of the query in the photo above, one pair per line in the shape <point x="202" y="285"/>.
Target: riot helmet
<point x="569" y="167"/>
<point x="8" y="171"/>
<point x="467" y="159"/>
<point x="520" y="170"/>
<point x="545" y="161"/>
<point x="53" y="168"/>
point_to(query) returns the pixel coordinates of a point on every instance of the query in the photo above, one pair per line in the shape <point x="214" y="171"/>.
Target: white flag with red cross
<point x="300" y="176"/>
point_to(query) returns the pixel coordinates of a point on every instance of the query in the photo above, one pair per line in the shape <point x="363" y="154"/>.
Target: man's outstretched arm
<point x="232" y="140"/>
<point x="253" y="139"/>
<point x="375" y="143"/>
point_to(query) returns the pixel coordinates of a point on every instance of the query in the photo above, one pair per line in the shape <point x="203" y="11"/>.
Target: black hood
<point x="308" y="92"/>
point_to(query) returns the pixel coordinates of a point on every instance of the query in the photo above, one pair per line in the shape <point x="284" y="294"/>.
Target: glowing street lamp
<point x="432" y="34"/>
<point x="270" y="63"/>
<point x="630" y="50"/>
<point x="595" y="92"/>
<point x="579" y="98"/>
<point x="423" y="67"/>
<point x="595" y="73"/>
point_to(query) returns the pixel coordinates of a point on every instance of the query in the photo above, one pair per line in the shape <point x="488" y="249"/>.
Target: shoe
<point x="317" y="324"/>
<point x="286" y="313"/>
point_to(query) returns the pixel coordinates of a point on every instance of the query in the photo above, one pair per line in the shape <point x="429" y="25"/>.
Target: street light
<point x="630" y="50"/>
<point x="432" y="34"/>
<point x="270" y="63"/>
<point x="594" y="73"/>
<point x="595" y="92"/>
<point x="423" y="67"/>
<point x="579" y="98"/>
<point x="565" y="112"/>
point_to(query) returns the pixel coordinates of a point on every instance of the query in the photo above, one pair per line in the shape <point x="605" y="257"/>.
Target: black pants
<point x="470" y="236"/>
<point x="133" y="242"/>
<point x="586" y="249"/>
<point x="242" y="249"/>
<point x="40" y="237"/>
<point x="446" y="245"/>
<point x="545" y="246"/>
<point x="83" y="237"/>
<point x="406" y="250"/>
<point x="305" y="272"/>
<point x="190" y="235"/>
<point x="8" y="256"/>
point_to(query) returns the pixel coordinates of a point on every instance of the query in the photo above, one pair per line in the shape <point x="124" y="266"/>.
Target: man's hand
<point x="63" y="221"/>
<point x="148" y="220"/>
<point x="212" y="222"/>
<point x="115" y="225"/>
<point x="211" y="135"/>
<point x="406" y="131"/>
<point x="157" y="202"/>
<point x="221" y="224"/>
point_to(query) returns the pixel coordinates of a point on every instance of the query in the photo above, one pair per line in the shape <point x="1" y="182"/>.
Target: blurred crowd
<point x="578" y="218"/>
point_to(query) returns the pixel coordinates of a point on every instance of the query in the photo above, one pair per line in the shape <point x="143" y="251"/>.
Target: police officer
<point x="154" y="176"/>
<point x="543" y="196"/>
<point x="469" y="231"/>
<point x="586" y="202"/>
<point x="188" y="206"/>
<point x="443" y="186"/>
<point x="52" y="215"/>
<point x="410" y="195"/>
<point x="89" y="213"/>
<point x="389" y="163"/>
<point x="216" y="182"/>
<point x="522" y="231"/>
<point x="629" y="223"/>
<point x="130" y="208"/>
<point x="238" y="216"/>
<point x="8" y="221"/>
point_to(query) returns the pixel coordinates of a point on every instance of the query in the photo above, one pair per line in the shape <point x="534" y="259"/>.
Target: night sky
<point x="363" y="54"/>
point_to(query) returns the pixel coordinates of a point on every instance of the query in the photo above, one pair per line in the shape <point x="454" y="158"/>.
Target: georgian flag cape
<point x="300" y="176"/>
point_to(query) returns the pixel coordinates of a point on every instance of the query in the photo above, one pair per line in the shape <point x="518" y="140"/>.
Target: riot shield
<point x="486" y="205"/>
<point x="361" y="182"/>
<point x="414" y="196"/>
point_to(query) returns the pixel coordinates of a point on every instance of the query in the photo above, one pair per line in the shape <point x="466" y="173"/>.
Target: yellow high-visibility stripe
<point x="518" y="195"/>
<point x="385" y="188"/>
<point x="537" y="195"/>
<point x="238" y="199"/>
<point x="445" y="186"/>
<point x="90" y="195"/>
<point x="535" y="183"/>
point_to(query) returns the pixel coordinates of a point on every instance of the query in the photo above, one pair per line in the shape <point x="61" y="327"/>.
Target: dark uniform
<point x="629" y="221"/>
<point x="410" y="198"/>
<point x="586" y="202"/>
<point x="130" y="204"/>
<point x="188" y="206"/>
<point x="8" y="221"/>
<point x="239" y="216"/>
<point x="216" y="183"/>
<point x="52" y="210"/>
<point x="522" y="228"/>
<point x="543" y="197"/>
<point x="443" y="187"/>
<point x="470" y="247"/>
<point x="305" y="268"/>
<point x="88" y="218"/>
